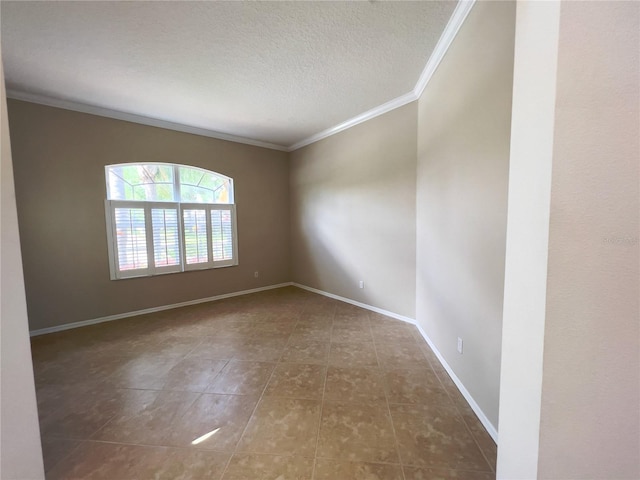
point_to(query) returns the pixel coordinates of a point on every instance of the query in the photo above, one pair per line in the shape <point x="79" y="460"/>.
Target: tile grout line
<point x="479" y="447"/>
<point x="91" y="437"/>
<point x="473" y="437"/>
<point x="59" y="460"/>
<point x="264" y="389"/>
<point x="455" y="405"/>
<point x="152" y="445"/>
<point x="295" y="314"/>
<point x="200" y="396"/>
<point x="386" y="397"/>
<point x="179" y="358"/>
<point x="324" y="389"/>
<point x="189" y="449"/>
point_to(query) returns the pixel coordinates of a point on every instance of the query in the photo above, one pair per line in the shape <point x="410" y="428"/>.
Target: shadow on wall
<point x="463" y="169"/>
<point x="355" y="223"/>
<point x="327" y="265"/>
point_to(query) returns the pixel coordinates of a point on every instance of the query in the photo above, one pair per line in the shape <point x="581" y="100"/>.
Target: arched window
<point x="164" y="218"/>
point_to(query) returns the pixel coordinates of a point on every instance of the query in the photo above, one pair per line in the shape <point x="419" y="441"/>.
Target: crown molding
<point x="446" y="39"/>
<point x="444" y="42"/>
<point x="363" y="117"/>
<point x="130" y="117"/>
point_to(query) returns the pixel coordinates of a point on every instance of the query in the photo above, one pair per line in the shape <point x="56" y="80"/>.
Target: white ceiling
<point x="275" y="72"/>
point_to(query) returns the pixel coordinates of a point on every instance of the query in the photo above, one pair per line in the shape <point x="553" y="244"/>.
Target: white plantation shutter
<point x="196" y="233"/>
<point x="132" y="238"/>
<point x="166" y="239"/>
<point x="160" y="219"/>
<point x="222" y="222"/>
<point x="130" y="242"/>
<point x="209" y="235"/>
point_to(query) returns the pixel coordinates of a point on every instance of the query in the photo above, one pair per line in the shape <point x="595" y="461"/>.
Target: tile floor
<point x="282" y="384"/>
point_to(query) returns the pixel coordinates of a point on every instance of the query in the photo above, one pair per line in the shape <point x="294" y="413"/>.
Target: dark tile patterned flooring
<point x="282" y="384"/>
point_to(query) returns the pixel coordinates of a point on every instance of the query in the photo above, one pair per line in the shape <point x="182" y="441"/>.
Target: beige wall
<point x="353" y="212"/>
<point x="590" y="416"/>
<point x="20" y="450"/>
<point x="462" y="176"/>
<point x="571" y="352"/>
<point x="59" y="160"/>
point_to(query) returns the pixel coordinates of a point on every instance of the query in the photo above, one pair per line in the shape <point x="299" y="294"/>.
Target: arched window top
<point x="167" y="182"/>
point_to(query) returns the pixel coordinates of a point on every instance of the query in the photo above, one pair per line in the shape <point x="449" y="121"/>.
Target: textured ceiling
<point x="277" y="72"/>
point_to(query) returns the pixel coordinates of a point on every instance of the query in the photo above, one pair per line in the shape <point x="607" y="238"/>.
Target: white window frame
<point x="148" y="206"/>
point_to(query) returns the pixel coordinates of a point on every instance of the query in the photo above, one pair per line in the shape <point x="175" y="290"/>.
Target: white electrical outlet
<point x="256" y="274"/>
<point x="459" y="345"/>
<point x="361" y="284"/>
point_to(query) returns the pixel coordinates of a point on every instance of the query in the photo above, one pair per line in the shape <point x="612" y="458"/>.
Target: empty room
<point x="320" y="240"/>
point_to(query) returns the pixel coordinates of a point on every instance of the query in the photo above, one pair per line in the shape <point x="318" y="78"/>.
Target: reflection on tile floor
<point x="282" y="384"/>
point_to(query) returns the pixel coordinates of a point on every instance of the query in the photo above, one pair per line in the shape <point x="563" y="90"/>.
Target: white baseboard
<point x="465" y="393"/>
<point x="357" y="304"/>
<point x="109" y="318"/>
